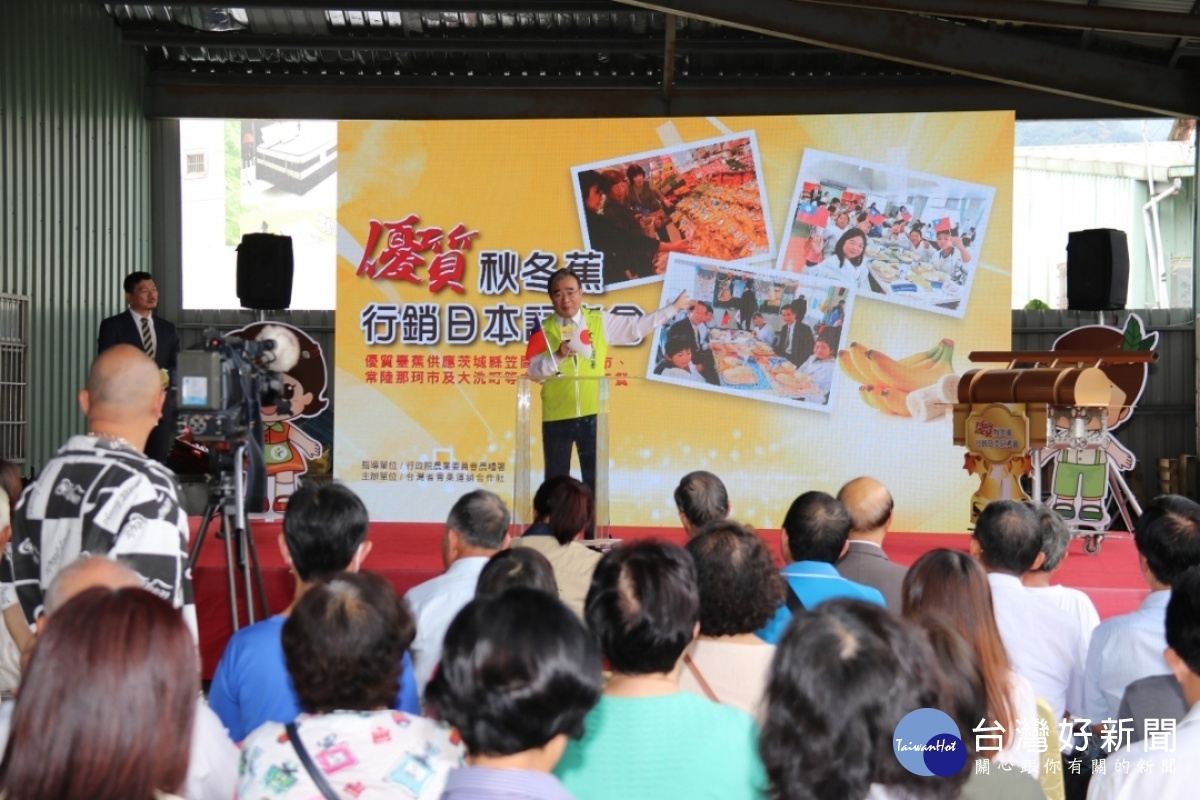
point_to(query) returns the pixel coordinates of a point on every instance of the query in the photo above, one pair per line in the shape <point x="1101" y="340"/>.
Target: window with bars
<point x="195" y="164"/>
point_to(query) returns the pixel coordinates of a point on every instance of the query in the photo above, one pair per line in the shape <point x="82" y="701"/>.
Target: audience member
<point x="15" y="636"/>
<point x="739" y="591"/>
<point x="950" y="587"/>
<point x="516" y="568"/>
<point x="519" y="673"/>
<point x="1044" y="643"/>
<point x="476" y="528"/>
<point x="1126" y="648"/>
<point x="563" y="509"/>
<point x="1158" y="698"/>
<point x="814" y="534"/>
<point x="646" y="738"/>
<point x="870" y="505"/>
<point x="324" y="533"/>
<point x="107" y="706"/>
<point x="101" y="495"/>
<point x="843" y="677"/>
<point x="701" y="498"/>
<point x="1150" y="768"/>
<point x="965" y="699"/>
<point x="212" y="766"/>
<point x="343" y="642"/>
<point x="1056" y="537"/>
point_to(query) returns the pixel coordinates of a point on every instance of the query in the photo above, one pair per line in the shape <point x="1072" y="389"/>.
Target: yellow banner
<point x="448" y="231"/>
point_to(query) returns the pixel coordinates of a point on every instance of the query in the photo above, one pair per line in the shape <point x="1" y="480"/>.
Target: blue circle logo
<point x="927" y="742"/>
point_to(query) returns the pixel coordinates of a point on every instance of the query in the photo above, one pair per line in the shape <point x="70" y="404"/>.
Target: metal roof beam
<point x="457" y="44"/>
<point x="333" y="96"/>
<point x="958" y="49"/>
<point x="1142" y="21"/>
<point x="419" y="6"/>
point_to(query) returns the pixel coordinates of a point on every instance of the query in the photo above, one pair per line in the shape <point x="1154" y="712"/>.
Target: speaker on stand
<point x="265" y="269"/>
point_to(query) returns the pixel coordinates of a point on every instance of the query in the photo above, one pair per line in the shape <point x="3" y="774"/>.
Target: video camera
<point x="222" y="388"/>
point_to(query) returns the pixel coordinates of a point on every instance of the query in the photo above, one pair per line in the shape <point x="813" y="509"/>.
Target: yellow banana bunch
<point x="885" y="382"/>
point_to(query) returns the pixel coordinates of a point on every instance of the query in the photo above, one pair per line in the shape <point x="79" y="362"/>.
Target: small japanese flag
<point x="581" y="345"/>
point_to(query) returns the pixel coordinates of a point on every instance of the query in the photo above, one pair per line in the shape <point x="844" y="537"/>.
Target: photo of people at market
<point x="752" y="332"/>
<point x="894" y="234"/>
<point x="705" y="199"/>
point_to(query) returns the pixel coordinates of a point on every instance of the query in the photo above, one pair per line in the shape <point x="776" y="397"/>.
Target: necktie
<point x="147" y="340"/>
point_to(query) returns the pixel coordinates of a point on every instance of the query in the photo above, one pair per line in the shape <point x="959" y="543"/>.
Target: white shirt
<point x="1045" y="644"/>
<point x="1145" y="777"/>
<point x="212" y="764"/>
<point x="435" y="603"/>
<point x="765" y="334"/>
<point x="618" y="329"/>
<point x="1075" y="603"/>
<point x="1122" y="650"/>
<point x="1024" y="752"/>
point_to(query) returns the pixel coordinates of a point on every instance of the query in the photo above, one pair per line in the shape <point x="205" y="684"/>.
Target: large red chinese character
<point x="403" y="246"/>
<point x="446" y="271"/>
<point x="459" y="238"/>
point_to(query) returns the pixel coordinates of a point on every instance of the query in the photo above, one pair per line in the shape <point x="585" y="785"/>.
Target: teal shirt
<point x="676" y="745"/>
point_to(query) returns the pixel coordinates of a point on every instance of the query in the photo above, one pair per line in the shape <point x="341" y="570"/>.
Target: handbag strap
<point x="794" y="603"/>
<point x="317" y="776"/>
<point x="691" y="664"/>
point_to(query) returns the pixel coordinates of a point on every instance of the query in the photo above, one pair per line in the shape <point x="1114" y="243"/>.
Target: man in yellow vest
<point x="577" y="341"/>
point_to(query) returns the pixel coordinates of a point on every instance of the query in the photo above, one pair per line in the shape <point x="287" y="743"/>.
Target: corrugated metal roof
<point x="590" y="42"/>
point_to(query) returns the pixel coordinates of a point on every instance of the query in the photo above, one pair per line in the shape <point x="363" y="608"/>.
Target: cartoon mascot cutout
<point x="1081" y="482"/>
<point x="287" y="448"/>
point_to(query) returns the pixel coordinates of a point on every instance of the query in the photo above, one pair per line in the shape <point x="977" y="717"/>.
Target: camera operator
<point x="101" y="495"/>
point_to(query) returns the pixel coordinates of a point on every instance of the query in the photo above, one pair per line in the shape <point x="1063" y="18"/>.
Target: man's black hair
<point x="816" y="526"/>
<point x="1167" y="535"/>
<point x="323" y="527"/>
<point x="1009" y="535"/>
<point x="134" y="278"/>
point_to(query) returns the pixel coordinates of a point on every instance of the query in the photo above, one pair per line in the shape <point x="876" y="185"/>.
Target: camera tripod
<point x="226" y="496"/>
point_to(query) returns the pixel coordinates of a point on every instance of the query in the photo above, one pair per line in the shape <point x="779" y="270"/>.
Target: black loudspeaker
<point x="264" y="271"/>
<point x="1097" y="270"/>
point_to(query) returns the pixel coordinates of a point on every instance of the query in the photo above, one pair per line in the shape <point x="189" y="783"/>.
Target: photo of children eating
<point x="895" y="235"/>
<point x="752" y="332"/>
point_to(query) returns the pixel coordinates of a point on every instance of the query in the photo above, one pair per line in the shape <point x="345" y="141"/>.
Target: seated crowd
<point x="536" y="667"/>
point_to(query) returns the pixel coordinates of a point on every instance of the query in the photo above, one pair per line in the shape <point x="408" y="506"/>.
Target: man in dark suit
<point x="141" y="328"/>
<point x="693" y="329"/>
<point x="870" y="506"/>
<point x="795" y="339"/>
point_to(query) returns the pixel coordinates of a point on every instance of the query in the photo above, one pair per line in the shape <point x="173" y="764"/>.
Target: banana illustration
<point x="906" y="378"/>
<point x="858" y="357"/>
<point x="893" y="401"/>
<point x="917" y="359"/>
<point x="869" y="397"/>
<point x="846" y="360"/>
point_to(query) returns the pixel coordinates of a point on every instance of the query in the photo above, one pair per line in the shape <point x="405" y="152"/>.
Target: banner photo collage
<point x="842" y="269"/>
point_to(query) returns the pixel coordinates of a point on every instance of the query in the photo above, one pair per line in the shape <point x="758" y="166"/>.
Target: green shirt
<point x="677" y="745"/>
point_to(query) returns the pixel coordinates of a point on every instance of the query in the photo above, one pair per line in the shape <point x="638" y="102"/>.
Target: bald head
<point x="88" y="573"/>
<point x="870" y="506"/>
<point x="123" y="379"/>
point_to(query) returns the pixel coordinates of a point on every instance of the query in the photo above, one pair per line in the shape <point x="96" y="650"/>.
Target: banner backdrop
<point x="894" y="232"/>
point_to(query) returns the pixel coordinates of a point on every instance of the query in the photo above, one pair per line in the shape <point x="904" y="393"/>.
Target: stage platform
<point x="409" y="553"/>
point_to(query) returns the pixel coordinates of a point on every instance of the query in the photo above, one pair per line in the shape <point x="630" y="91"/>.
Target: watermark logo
<point x="927" y="742"/>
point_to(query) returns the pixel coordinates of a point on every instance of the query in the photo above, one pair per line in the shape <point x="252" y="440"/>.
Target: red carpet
<point x="407" y="554"/>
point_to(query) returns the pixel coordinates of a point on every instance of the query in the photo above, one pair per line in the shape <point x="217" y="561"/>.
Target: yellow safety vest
<point x="568" y="399"/>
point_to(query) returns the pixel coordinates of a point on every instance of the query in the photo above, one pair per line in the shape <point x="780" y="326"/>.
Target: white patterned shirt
<point x="99" y="497"/>
<point x="367" y="755"/>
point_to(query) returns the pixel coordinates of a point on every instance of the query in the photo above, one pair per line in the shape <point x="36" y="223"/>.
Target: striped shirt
<point x="485" y="783"/>
<point x="100" y="497"/>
